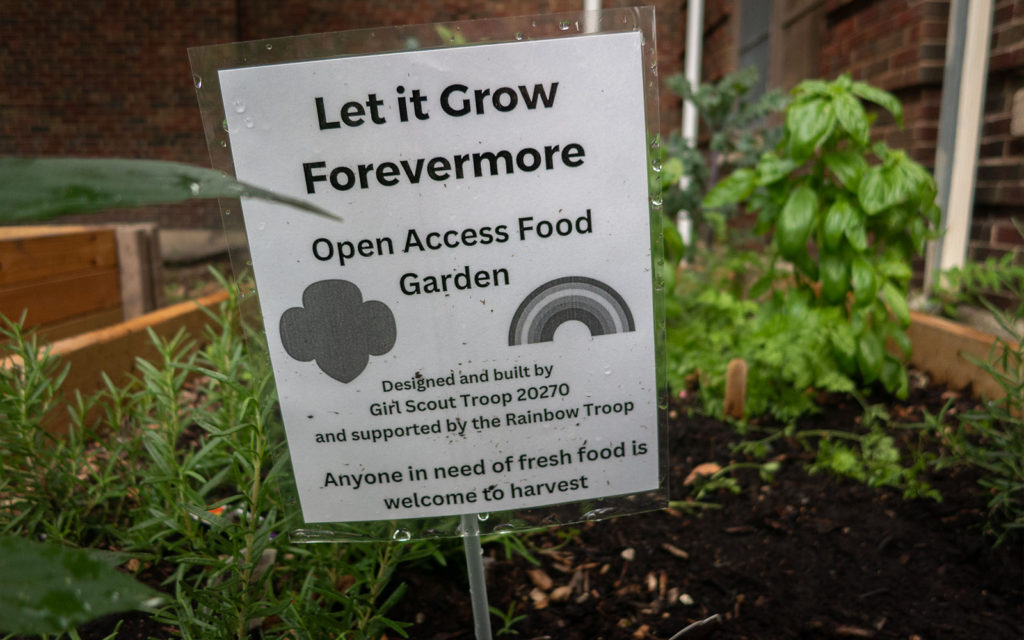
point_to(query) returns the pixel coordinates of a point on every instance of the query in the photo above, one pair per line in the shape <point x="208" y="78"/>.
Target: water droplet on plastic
<point x="504" y="528"/>
<point x="656" y="201"/>
<point x="224" y="144"/>
<point x="608" y="372"/>
<point x="656" y="166"/>
<point x="194" y="188"/>
<point x="598" y="513"/>
<point x="269" y="46"/>
<point x="197" y="80"/>
<point x="227" y="212"/>
<point x="239" y="106"/>
<point x="563" y="25"/>
<point x="533" y="23"/>
<point x="249" y="124"/>
<point x="401" y="535"/>
<point x="518" y="35"/>
<point x="482" y="517"/>
<point x="263" y="225"/>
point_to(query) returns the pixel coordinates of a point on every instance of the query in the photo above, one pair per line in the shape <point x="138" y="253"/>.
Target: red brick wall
<point x="111" y="78"/>
<point x="107" y="79"/>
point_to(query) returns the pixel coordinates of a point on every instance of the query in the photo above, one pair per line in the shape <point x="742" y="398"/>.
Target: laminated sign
<point x="478" y="333"/>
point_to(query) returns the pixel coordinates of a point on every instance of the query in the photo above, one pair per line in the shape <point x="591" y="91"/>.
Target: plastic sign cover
<point x="477" y="335"/>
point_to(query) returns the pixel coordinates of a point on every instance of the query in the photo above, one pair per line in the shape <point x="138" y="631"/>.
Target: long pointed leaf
<point x="47" y="588"/>
<point x="36" y="189"/>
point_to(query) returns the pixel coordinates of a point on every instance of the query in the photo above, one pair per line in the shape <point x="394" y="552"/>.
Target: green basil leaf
<point x="732" y="189"/>
<point x="870" y="356"/>
<point x="894" y="378"/>
<point x="837" y="219"/>
<point x="812" y="87"/>
<point x="882" y="98"/>
<point x="37" y="189"/>
<point x="901" y="340"/>
<point x="856" y="231"/>
<point x="848" y="167"/>
<point x="894" y="268"/>
<point x="835" y="277"/>
<point x="808" y="124"/>
<point x="897" y="303"/>
<point x="771" y="169"/>
<point x="852" y="117"/>
<point x="796" y="222"/>
<point x="880" y="188"/>
<point x="862" y="276"/>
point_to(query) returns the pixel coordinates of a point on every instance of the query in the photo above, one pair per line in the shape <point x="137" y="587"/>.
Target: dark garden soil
<point x="810" y="556"/>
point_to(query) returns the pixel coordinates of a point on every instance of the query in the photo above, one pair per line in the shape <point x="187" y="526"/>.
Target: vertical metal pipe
<point x="477" y="581"/>
<point x="960" y="120"/>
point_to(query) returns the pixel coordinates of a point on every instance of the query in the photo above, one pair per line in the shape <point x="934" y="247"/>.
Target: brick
<point x="1005" y="233"/>
<point x="933" y="52"/>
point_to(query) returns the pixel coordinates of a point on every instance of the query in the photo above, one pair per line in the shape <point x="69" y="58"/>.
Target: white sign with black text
<point x="477" y="335"/>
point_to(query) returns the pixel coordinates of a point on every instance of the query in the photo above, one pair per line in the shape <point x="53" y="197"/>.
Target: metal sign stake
<point x="477" y="582"/>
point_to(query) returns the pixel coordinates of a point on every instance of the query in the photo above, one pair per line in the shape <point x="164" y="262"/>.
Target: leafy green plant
<point x="186" y="483"/>
<point x="738" y="129"/>
<point x="979" y="283"/>
<point x="846" y="217"/>
<point x="990" y="438"/>
<point x="508" y="619"/>
<point x="786" y="347"/>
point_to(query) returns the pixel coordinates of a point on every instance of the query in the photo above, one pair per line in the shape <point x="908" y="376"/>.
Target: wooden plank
<point x="943" y="349"/>
<point x="31" y="254"/>
<point x="62" y="297"/>
<point x="113" y="349"/>
<point x="139" y="278"/>
<point x="79" y="324"/>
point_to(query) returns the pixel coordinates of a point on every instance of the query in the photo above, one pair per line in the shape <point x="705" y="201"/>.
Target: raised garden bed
<point x="68" y="280"/>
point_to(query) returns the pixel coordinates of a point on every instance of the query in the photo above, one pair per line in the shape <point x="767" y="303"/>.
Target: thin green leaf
<point x="38" y="189"/>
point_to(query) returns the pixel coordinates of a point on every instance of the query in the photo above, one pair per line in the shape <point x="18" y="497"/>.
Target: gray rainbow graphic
<point x="579" y="298"/>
